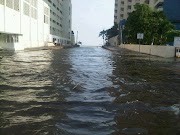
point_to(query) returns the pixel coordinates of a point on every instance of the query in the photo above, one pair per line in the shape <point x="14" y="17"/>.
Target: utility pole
<point x="77" y="38"/>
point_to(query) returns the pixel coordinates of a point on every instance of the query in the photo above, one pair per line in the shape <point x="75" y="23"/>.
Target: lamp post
<point x="121" y="27"/>
<point x="121" y="35"/>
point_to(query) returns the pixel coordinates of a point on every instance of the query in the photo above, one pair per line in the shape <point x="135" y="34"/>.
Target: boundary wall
<point x="161" y="51"/>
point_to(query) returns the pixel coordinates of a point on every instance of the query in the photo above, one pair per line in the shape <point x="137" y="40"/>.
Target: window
<point x="2" y="2"/>
<point x="34" y="3"/>
<point x="28" y="1"/>
<point x="16" y="5"/>
<point x="33" y="13"/>
<point x="46" y="19"/>
<point x="115" y="17"/>
<point x="26" y="9"/>
<point x="46" y="11"/>
<point x="54" y="13"/>
<point x="122" y="9"/>
<point x="115" y="11"/>
<point x="13" y="4"/>
<point x="54" y="39"/>
<point x="8" y="39"/>
<point x="9" y="3"/>
<point x="15" y="39"/>
<point x="12" y="38"/>
<point x="129" y="7"/>
<point x="147" y="1"/>
<point x="54" y="5"/>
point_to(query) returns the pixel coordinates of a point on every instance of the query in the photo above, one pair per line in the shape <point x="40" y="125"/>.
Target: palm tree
<point x="103" y="35"/>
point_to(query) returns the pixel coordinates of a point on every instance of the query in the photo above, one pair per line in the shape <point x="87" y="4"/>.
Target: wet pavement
<point x="88" y="91"/>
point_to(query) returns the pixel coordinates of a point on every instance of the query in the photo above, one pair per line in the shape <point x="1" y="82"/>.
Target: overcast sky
<point x="89" y="17"/>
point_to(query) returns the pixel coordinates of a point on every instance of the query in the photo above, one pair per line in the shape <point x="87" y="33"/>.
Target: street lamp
<point x="121" y="33"/>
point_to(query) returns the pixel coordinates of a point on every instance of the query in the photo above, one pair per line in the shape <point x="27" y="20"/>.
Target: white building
<point x="32" y="23"/>
<point x="60" y="21"/>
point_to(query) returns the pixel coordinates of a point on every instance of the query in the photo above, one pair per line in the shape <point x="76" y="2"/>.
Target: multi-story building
<point x="124" y="7"/>
<point x="34" y="23"/>
<point x="60" y="20"/>
<point x="171" y="9"/>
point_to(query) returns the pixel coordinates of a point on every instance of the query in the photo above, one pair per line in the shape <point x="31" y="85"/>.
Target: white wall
<point x="113" y="41"/>
<point x="32" y="32"/>
<point x="162" y="51"/>
<point x="12" y="21"/>
<point x="67" y="19"/>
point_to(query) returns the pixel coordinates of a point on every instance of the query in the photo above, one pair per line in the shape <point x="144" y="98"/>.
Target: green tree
<point x="171" y="34"/>
<point x="153" y="24"/>
<point x="103" y="35"/>
<point x="113" y="31"/>
<point x="109" y="33"/>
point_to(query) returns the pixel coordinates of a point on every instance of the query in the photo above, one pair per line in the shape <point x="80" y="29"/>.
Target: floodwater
<point x="88" y="91"/>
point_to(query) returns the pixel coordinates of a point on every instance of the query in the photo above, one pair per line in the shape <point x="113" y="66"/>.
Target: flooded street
<point x="88" y="91"/>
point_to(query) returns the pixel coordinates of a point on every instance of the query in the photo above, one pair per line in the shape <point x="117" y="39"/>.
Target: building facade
<point x="33" y="23"/>
<point x="171" y="9"/>
<point x="124" y="7"/>
<point x="60" y="21"/>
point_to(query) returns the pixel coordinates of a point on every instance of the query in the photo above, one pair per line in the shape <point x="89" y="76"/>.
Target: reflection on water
<point x="85" y="91"/>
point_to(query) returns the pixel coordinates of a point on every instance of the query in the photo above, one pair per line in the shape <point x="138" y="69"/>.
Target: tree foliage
<point x="153" y="24"/>
<point x="112" y="32"/>
<point x="103" y="34"/>
<point x="109" y="33"/>
<point x="171" y="34"/>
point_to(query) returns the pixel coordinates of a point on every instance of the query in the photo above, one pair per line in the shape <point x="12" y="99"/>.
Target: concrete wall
<point x="25" y="21"/>
<point x="162" y="51"/>
<point x="113" y="41"/>
<point x="30" y="21"/>
<point x="67" y="21"/>
<point x="60" y="20"/>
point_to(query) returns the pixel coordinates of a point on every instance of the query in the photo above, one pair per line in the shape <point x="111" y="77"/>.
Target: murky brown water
<point x="88" y="91"/>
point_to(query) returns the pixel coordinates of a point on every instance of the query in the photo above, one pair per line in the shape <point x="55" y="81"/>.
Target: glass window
<point x="2" y="2"/>
<point x="46" y="19"/>
<point x="16" y="5"/>
<point x="26" y="9"/>
<point x="129" y="7"/>
<point x="9" y="3"/>
<point x="33" y="13"/>
<point x="34" y="3"/>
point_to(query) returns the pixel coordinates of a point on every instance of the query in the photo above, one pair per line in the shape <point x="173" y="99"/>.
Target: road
<point x="88" y="91"/>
